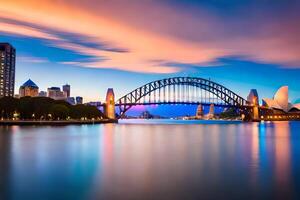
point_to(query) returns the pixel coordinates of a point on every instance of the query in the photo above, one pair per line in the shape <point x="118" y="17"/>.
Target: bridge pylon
<point x="199" y="112"/>
<point x="109" y="107"/>
<point x="253" y="102"/>
<point x="211" y="113"/>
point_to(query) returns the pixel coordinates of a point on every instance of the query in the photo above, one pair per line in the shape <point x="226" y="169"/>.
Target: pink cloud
<point x="152" y="30"/>
<point x="31" y="59"/>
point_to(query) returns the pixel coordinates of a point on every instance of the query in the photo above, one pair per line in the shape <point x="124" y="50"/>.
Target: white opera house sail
<point x="281" y="101"/>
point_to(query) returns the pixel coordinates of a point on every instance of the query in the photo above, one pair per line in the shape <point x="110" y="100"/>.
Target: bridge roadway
<point x="175" y="103"/>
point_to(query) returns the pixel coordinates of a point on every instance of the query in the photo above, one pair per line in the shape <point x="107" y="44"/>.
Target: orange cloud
<point x="143" y="46"/>
<point x="150" y="31"/>
<point x="25" y="31"/>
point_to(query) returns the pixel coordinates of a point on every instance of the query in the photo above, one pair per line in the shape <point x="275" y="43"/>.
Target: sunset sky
<point x="96" y="44"/>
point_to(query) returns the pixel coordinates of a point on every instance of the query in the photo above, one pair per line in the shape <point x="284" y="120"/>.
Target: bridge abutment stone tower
<point x="253" y="100"/>
<point x="211" y="113"/>
<point x="199" y="113"/>
<point x="256" y="113"/>
<point x="109" y="108"/>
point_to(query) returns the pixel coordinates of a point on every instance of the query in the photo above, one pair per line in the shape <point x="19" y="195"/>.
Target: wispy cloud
<point x="31" y="59"/>
<point x="139" y="35"/>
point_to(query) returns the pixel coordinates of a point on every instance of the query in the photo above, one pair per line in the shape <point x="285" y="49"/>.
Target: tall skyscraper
<point x="67" y="90"/>
<point x="7" y="69"/>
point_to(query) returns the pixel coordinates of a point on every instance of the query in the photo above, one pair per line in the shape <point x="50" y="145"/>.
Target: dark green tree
<point x="39" y="108"/>
<point x="25" y="108"/>
<point x="8" y="105"/>
<point x="229" y="113"/>
<point x="59" y="112"/>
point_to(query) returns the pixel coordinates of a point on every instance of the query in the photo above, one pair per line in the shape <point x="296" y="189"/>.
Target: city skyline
<point x="116" y="50"/>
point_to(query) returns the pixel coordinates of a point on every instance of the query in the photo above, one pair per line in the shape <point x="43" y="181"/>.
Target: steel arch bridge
<point x="180" y="90"/>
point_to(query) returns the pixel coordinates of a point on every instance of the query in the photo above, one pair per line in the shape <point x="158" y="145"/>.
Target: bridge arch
<point x="169" y="87"/>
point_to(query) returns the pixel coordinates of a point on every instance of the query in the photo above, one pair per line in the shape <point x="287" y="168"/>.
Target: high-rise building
<point x="56" y="93"/>
<point x="29" y="88"/>
<point x="79" y="100"/>
<point x="67" y="90"/>
<point x="7" y="69"/>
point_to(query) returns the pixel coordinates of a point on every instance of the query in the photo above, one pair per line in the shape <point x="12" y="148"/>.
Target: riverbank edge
<point x="55" y="123"/>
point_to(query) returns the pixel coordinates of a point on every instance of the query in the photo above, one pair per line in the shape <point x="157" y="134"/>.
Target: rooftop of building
<point x="30" y="83"/>
<point x="5" y="44"/>
<point x="54" y="88"/>
<point x="254" y="91"/>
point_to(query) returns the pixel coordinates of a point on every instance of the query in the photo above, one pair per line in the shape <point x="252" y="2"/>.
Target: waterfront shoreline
<point x="55" y="123"/>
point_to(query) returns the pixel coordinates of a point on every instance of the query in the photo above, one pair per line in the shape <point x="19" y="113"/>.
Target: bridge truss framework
<point x="181" y="90"/>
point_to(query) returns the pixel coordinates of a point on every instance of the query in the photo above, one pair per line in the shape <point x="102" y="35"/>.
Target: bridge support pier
<point x="251" y="114"/>
<point x="199" y="112"/>
<point x="211" y="113"/>
<point x="109" y="107"/>
<point x="256" y="113"/>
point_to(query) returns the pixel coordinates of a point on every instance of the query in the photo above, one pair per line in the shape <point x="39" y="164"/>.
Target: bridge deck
<point x="174" y="103"/>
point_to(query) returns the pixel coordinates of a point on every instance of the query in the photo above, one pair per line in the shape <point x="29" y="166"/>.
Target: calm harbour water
<point x="151" y="159"/>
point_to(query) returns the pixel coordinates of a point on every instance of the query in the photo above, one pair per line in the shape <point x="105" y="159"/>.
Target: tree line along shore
<point x="46" y="109"/>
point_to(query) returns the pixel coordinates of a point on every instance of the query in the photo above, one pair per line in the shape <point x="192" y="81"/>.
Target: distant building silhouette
<point x="79" y="100"/>
<point x="42" y="94"/>
<point x="71" y="100"/>
<point x="7" y="72"/>
<point x="67" y="90"/>
<point x="94" y="103"/>
<point x="56" y="93"/>
<point x="146" y="115"/>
